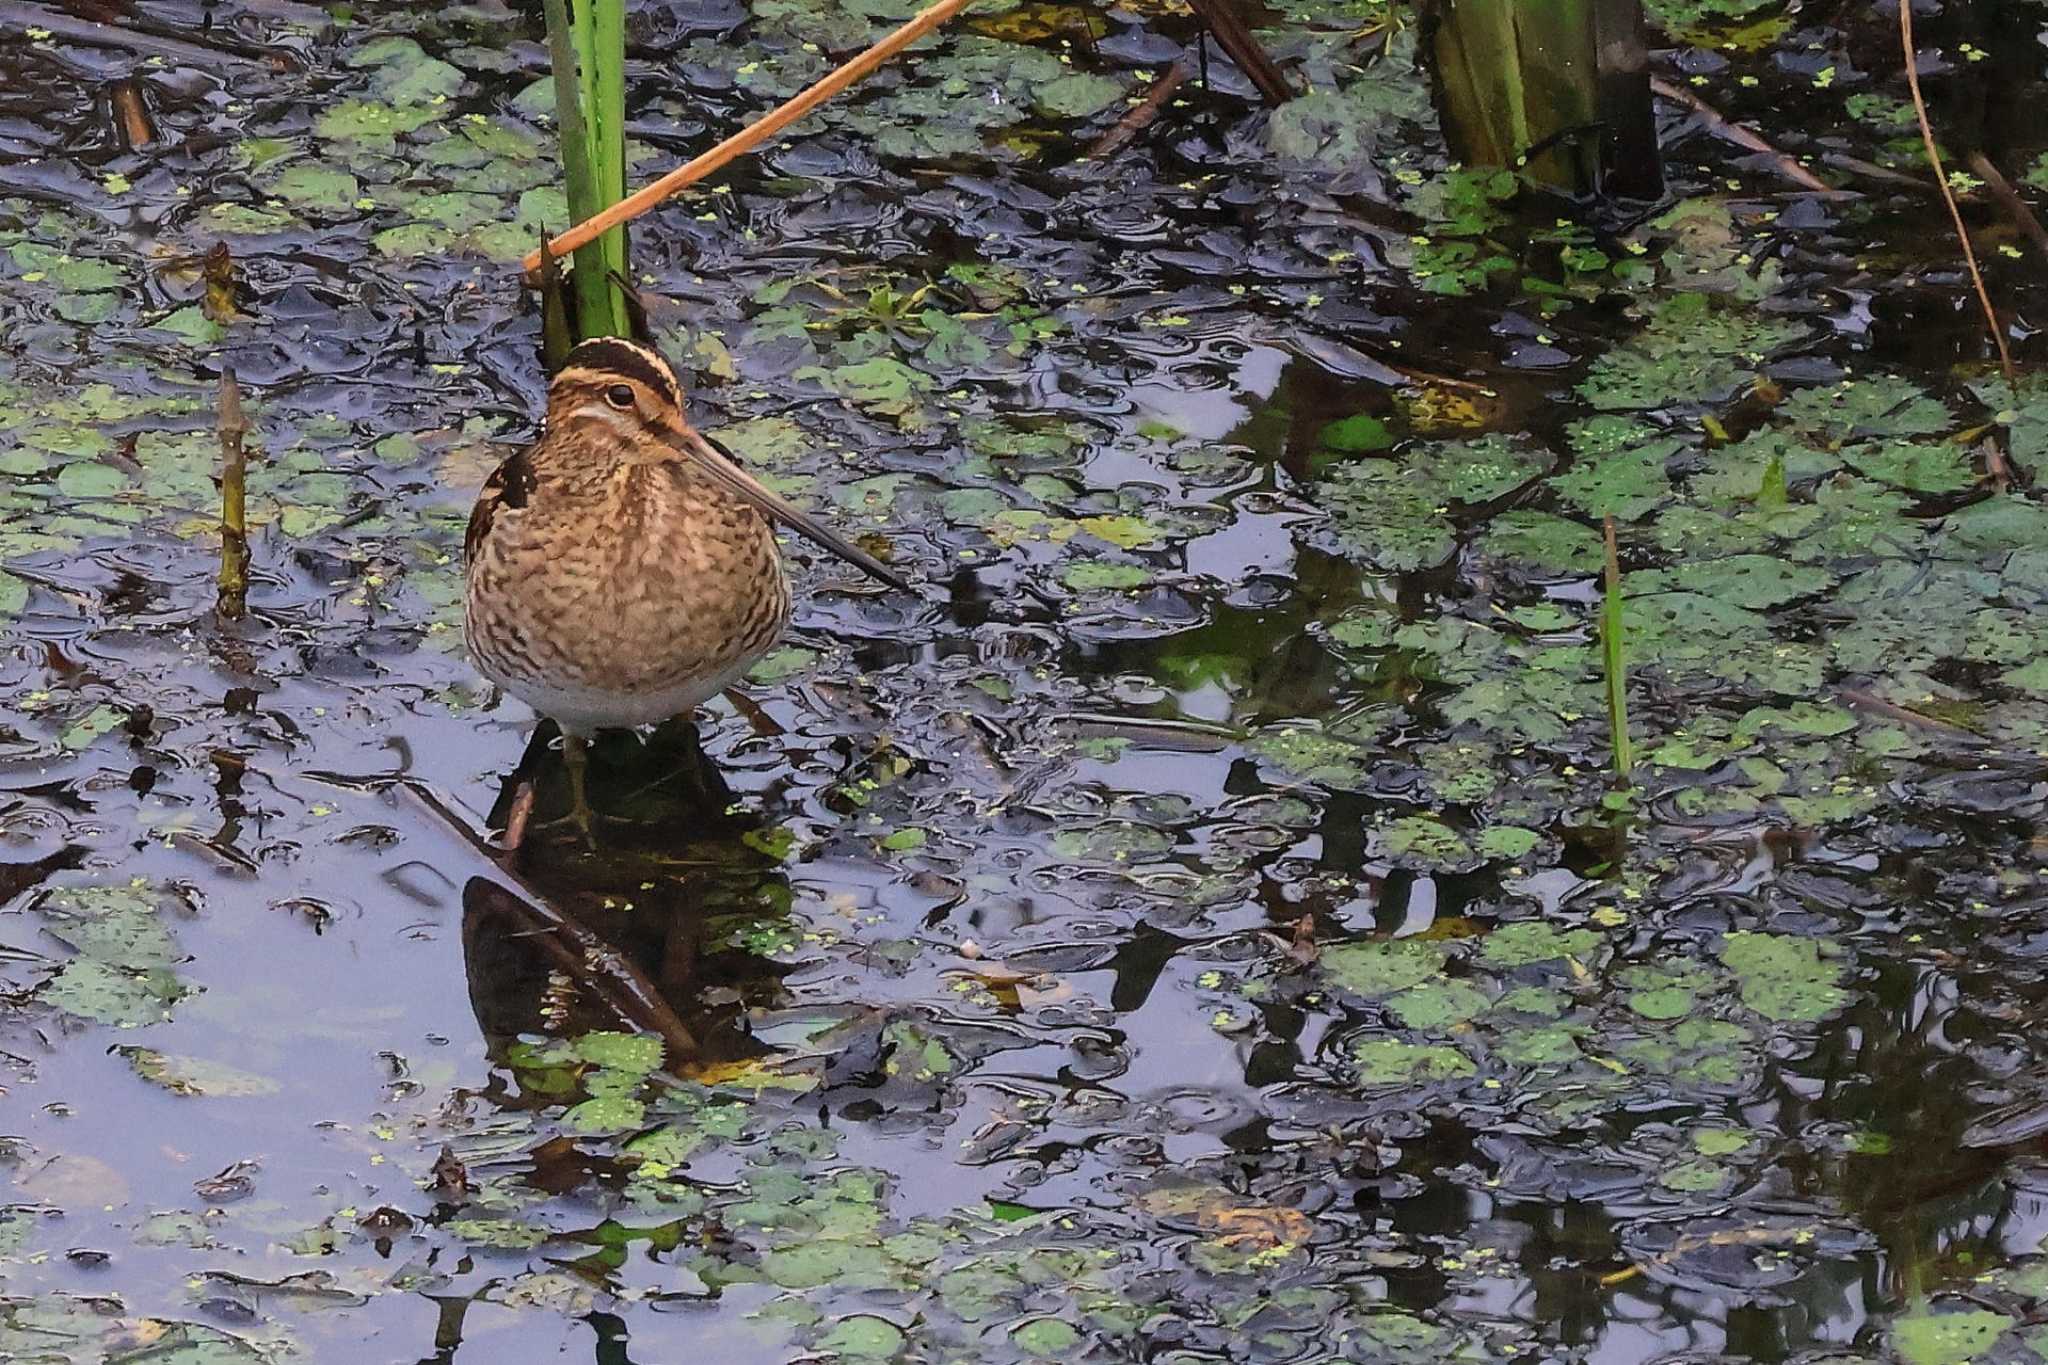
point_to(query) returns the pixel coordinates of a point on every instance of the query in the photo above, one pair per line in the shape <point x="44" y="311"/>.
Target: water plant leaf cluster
<point x="1207" y="926"/>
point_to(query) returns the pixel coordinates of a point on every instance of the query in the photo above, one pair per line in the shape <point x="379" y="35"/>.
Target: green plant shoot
<point x="588" y="55"/>
<point x="1615" y="656"/>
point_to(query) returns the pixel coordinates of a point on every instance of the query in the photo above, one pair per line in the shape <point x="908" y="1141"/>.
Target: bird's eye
<point x="620" y="396"/>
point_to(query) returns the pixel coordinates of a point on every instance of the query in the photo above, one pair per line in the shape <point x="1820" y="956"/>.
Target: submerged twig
<point x="1870" y="170"/>
<point x="754" y="134"/>
<point x="232" y="598"/>
<point x="2009" y="199"/>
<point x="1151" y="732"/>
<point x="589" y="961"/>
<point x="24" y="16"/>
<point x="1948" y="197"/>
<point x="1870" y="701"/>
<point x="1736" y="133"/>
<point x="1141" y="115"/>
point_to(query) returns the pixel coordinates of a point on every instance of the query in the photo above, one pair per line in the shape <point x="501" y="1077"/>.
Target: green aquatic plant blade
<point x="576" y="53"/>
<point x="1614" y="657"/>
<point x="605" y="60"/>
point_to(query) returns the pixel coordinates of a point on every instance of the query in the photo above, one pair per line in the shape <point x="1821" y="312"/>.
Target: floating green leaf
<point x="1929" y="1337"/>
<point x="1692" y="351"/>
<point x="1376" y="969"/>
<point x="1531" y="941"/>
<point x="1784" y="978"/>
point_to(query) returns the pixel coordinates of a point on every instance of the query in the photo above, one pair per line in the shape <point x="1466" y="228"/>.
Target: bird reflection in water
<point x="634" y="938"/>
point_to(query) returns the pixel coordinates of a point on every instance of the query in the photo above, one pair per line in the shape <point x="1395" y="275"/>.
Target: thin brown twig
<point x="751" y="136"/>
<point x="1734" y="132"/>
<point x="1955" y="213"/>
<point x="125" y="37"/>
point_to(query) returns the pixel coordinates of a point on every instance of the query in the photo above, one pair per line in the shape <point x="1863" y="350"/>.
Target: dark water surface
<point x="1202" y="928"/>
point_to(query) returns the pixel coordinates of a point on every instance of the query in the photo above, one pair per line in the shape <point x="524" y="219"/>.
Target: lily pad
<point x="1785" y="978"/>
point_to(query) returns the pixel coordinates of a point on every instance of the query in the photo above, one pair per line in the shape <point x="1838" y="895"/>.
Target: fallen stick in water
<point x="1235" y="37"/>
<point x="138" y="130"/>
<point x="24" y="17"/>
<point x="1140" y="117"/>
<point x="1741" y="136"/>
<point x="2009" y="199"/>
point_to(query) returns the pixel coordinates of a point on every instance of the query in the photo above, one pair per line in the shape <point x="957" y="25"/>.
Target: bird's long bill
<point x="714" y="460"/>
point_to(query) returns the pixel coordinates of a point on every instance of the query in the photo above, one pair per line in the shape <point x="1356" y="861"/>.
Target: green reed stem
<point x="597" y="313"/>
<point x="1773" y="491"/>
<point x="607" y="59"/>
<point x="1615" y="656"/>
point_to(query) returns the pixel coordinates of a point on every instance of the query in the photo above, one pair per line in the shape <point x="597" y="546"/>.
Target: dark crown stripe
<point x="611" y="356"/>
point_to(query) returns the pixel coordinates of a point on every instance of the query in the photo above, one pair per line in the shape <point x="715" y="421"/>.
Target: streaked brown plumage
<point x="622" y="570"/>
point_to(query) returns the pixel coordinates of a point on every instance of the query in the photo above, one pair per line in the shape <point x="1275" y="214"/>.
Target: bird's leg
<point x="576" y="758"/>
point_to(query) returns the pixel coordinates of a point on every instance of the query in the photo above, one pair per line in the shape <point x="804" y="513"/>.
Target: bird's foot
<point x="575" y="757"/>
<point x="585" y="821"/>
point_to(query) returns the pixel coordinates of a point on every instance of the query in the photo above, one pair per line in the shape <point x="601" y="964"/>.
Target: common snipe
<point x="623" y="568"/>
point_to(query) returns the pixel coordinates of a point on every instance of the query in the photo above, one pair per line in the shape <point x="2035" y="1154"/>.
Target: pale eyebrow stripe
<point x="624" y="423"/>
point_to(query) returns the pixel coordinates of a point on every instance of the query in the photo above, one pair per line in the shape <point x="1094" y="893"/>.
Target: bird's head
<point x="621" y="397"/>
<point x="619" y="400"/>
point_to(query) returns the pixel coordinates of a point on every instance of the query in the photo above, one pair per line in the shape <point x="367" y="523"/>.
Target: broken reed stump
<point x="1559" y="90"/>
<point x="131" y="114"/>
<point x="557" y="335"/>
<point x="217" y="270"/>
<point x="232" y="596"/>
<point x="1141" y="114"/>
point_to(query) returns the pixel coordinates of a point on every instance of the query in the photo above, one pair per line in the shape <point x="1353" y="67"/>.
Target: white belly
<point x="585" y="710"/>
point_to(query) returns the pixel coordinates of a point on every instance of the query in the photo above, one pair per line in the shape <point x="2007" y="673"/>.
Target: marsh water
<point x="1203" y="925"/>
